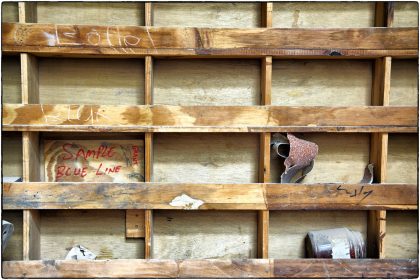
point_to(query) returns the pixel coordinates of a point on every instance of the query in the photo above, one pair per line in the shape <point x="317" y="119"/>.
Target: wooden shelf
<point x="139" y="41"/>
<point x="208" y="196"/>
<point x="212" y="268"/>
<point x="161" y="118"/>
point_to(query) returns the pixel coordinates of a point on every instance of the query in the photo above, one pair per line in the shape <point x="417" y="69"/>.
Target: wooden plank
<point x="322" y="82"/>
<point x="205" y="234"/>
<point x="31" y="235"/>
<point x="14" y="250"/>
<point x="148" y="234"/>
<point x="267" y="14"/>
<point x="113" y="13"/>
<point x="227" y="82"/>
<point x="134" y="224"/>
<point x="206" y="158"/>
<point x="212" y="268"/>
<point x="132" y="41"/>
<point x="263" y="233"/>
<point x="323" y="14"/>
<point x="207" y="14"/>
<point x="401" y="240"/>
<point x="121" y="81"/>
<point x="101" y="231"/>
<point x="160" y="118"/>
<point x="266" y="77"/>
<point x="27" y="12"/>
<point x="82" y="195"/>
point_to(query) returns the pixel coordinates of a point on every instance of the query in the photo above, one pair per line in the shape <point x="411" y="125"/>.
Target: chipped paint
<point x="186" y="202"/>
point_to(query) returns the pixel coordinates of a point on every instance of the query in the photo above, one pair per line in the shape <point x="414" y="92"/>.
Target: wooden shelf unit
<point x="285" y="76"/>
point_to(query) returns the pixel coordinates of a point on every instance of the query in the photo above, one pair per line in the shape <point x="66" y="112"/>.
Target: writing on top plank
<point x="110" y="36"/>
<point x="94" y="161"/>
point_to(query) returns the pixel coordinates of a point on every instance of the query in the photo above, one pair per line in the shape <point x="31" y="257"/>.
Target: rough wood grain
<point x="14" y="249"/>
<point x="91" y="81"/>
<point x="289" y="228"/>
<point x="253" y="268"/>
<point x="12" y="154"/>
<point x="101" y="231"/>
<point x="9" y="12"/>
<point x="134" y="223"/>
<point x="238" y="15"/>
<point x="91" y="13"/>
<point x="205" y="235"/>
<point x="404" y="83"/>
<point x="83" y="195"/>
<point x="206" y="82"/>
<point x="401" y="240"/>
<point x="148" y="118"/>
<point x="11" y="85"/>
<point x="267" y="14"/>
<point x="133" y="41"/>
<point x="323" y="14"/>
<point x="402" y="163"/>
<point x="406" y="13"/>
<point x="321" y="83"/>
<point x="206" y="158"/>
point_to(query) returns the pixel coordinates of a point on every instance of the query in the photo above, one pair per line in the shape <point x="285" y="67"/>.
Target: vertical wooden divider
<point x="384" y="15"/>
<point x="148" y="96"/>
<point x="265" y="138"/>
<point x="30" y="140"/>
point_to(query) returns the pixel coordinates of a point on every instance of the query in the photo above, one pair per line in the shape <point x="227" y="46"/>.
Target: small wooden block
<point x="134" y="223"/>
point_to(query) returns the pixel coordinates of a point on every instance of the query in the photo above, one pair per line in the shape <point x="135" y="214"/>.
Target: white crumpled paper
<point x="79" y="252"/>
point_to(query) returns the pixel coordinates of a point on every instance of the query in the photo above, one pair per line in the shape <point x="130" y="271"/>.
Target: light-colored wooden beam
<point x="30" y="140"/>
<point x="257" y="196"/>
<point x="213" y="268"/>
<point x="381" y="87"/>
<point x="267" y="14"/>
<point x="132" y="41"/>
<point x="163" y="118"/>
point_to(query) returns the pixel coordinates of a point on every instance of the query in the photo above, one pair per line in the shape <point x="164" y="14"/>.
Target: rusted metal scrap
<point x="299" y="156"/>
<point x="368" y="175"/>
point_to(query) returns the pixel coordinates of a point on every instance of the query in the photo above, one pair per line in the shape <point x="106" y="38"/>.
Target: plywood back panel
<point x="406" y="14"/>
<point x="206" y="158"/>
<point x="341" y="158"/>
<point x="105" y="13"/>
<point x="404" y="81"/>
<point x="244" y="15"/>
<point x="91" y="81"/>
<point x="100" y="231"/>
<point x="323" y="14"/>
<point x="209" y="234"/>
<point x="289" y="228"/>
<point x="321" y="83"/>
<point x="207" y="82"/>
<point x="401" y="240"/>
<point x="14" y="250"/>
<point x="402" y="158"/>
<point x="9" y="12"/>
<point x="11" y="85"/>
<point x="12" y="154"/>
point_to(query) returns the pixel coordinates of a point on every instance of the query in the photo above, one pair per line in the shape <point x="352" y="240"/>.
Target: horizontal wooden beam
<point x="213" y="268"/>
<point x="162" y="118"/>
<point x="256" y="196"/>
<point x="132" y="41"/>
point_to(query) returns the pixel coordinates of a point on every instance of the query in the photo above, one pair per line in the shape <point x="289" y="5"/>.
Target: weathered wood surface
<point x="48" y="39"/>
<point x="212" y="268"/>
<point x="83" y="195"/>
<point x="161" y="118"/>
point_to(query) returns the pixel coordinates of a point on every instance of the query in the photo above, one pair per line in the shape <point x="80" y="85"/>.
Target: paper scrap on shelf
<point x="186" y="202"/>
<point x="79" y="252"/>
